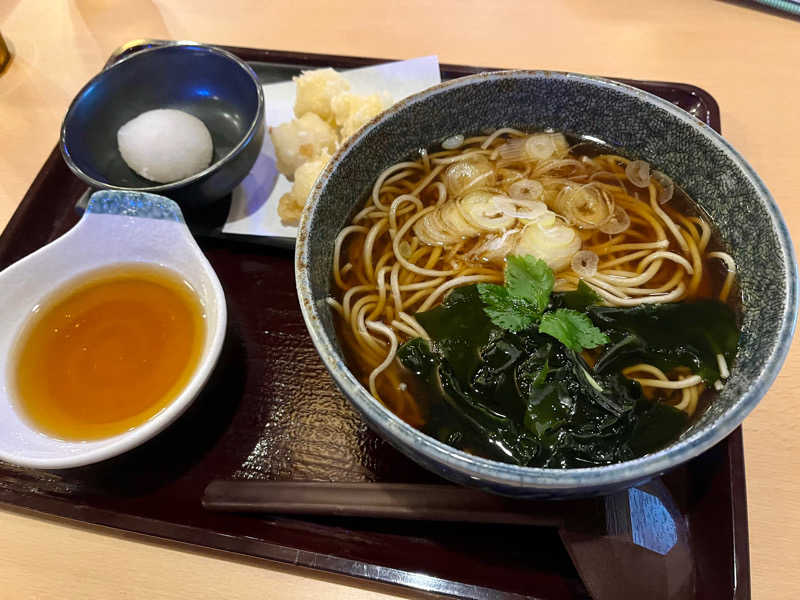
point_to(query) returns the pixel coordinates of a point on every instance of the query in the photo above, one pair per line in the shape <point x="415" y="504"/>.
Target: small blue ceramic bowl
<point x="209" y="83"/>
<point x="641" y="126"/>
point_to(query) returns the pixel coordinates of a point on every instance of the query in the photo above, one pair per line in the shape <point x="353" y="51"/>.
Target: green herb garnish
<point x="529" y="278"/>
<point x="573" y="329"/>
<point x="522" y="302"/>
<point x="508" y="312"/>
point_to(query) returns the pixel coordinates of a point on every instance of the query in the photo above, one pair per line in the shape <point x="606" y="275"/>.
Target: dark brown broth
<point x="401" y="401"/>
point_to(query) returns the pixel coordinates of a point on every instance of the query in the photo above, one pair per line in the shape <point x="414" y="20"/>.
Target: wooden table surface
<point x="747" y="58"/>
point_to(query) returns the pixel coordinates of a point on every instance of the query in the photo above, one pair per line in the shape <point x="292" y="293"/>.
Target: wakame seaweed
<point x="689" y="334"/>
<point x="525" y="398"/>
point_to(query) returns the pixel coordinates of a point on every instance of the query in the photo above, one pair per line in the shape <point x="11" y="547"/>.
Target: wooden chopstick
<point x="382" y="501"/>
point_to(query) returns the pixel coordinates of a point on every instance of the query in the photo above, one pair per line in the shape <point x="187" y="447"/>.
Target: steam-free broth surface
<point x="536" y="299"/>
<point x="107" y="352"/>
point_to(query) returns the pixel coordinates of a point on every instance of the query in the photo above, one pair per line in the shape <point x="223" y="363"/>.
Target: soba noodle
<point x="450" y="217"/>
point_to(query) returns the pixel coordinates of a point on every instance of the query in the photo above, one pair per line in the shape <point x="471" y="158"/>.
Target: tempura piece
<point x="326" y="110"/>
<point x="316" y="90"/>
<point x="289" y="211"/>
<point x="301" y="140"/>
<point x="351" y="111"/>
<point x="290" y="206"/>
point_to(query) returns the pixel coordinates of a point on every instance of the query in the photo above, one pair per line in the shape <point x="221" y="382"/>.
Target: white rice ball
<point x="165" y="145"/>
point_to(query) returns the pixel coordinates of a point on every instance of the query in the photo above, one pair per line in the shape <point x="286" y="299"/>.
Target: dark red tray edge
<point x="237" y="548"/>
<point x="328" y="563"/>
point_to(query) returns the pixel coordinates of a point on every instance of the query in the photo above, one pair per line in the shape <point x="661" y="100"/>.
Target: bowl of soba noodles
<point x="546" y="284"/>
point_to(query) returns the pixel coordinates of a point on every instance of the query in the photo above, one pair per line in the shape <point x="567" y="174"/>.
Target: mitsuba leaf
<point x="526" y="294"/>
<point x="573" y="329"/>
<point x="529" y="278"/>
<point x="506" y="311"/>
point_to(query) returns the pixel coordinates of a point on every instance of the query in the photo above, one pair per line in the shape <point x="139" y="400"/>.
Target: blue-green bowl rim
<point x="535" y="479"/>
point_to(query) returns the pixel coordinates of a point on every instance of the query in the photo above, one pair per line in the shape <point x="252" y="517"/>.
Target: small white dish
<point x="118" y="227"/>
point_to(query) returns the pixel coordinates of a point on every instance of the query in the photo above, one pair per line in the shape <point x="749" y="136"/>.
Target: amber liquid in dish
<point x="107" y="352"/>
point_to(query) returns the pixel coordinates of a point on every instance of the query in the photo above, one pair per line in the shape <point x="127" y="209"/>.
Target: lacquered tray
<point x="271" y="412"/>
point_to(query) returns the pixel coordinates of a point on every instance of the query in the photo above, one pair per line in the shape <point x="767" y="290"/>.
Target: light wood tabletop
<point x="746" y="58"/>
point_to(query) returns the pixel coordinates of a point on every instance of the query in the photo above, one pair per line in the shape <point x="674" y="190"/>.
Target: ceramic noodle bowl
<point x="638" y="125"/>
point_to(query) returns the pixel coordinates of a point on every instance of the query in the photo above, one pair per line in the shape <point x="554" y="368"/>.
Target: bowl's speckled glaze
<point x="641" y="126"/>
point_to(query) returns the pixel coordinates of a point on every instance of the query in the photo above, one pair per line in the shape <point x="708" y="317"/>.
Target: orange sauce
<point x="107" y="352"/>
